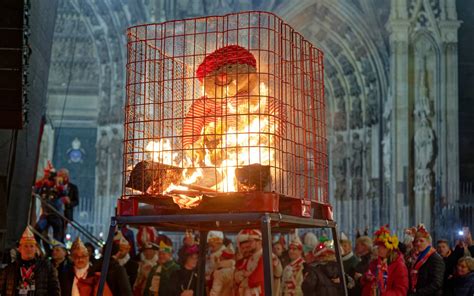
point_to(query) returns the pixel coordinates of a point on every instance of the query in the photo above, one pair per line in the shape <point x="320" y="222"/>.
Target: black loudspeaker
<point x="12" y="57"/>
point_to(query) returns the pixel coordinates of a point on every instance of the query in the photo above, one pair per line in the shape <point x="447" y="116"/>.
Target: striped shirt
<point x="204" y="111"/>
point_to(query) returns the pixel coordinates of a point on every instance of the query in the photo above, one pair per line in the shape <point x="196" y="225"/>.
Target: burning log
<point x="254" y="177"/>
<point x="153" y="177"/>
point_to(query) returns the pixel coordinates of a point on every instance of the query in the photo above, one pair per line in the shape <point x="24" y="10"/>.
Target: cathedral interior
<point x="398" y="88"/>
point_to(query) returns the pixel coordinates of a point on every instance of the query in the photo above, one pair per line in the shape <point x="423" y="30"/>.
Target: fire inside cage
<point x="225" y="129"/>
<point x="221" y="105"/>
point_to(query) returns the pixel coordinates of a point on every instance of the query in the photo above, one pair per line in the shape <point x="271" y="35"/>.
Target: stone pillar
<point x="394" y="201"/>
<point x="424" y="140"/>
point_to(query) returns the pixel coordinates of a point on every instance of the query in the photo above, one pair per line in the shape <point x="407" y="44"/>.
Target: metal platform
<point x="227" y="222"/>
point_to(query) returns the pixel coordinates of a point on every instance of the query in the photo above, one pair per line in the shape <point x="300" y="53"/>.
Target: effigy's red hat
<point x="231" y="54"/>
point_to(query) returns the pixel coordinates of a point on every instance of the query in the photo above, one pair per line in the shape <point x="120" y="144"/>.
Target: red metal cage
<point x="221" y="106"/>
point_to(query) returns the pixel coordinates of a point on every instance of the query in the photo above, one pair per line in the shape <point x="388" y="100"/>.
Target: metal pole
<point x="267" y="254"/>
<point x="201" y="284"/>
<point x="339" y="259"/>
<point x="107" y="255"/>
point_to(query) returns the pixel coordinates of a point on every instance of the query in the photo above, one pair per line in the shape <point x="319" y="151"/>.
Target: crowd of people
<point x="306" y="265"/>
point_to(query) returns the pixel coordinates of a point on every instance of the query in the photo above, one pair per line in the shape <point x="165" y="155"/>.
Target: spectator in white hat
<point x="215" y="242"/>
<point x="223" y="277"/>
<point x="293" y="273"/>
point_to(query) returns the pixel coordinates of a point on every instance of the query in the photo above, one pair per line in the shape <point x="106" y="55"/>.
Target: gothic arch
<point x="356" y="72"/>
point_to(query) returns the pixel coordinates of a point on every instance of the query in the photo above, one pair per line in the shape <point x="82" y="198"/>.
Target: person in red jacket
<point x="388" y="274"/>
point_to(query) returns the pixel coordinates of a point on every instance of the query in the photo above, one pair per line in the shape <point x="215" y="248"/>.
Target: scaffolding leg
<point x="267" y="254"/>
<point x="201" y="284"/>
<point x="107" y="255"/>
<point x="339" y="259"/>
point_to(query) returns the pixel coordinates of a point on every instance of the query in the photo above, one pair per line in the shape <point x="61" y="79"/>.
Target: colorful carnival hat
<point x="325" y="248"/>
<point x="120" y="239"/>
<point x="231" y="54"/>
<point x="78" y="245"/>
<point x="343" y="237"/>
<point x="146" y="234"/>
<point x="248" y="234"/>
<point x="27" y="236"/>
<point x="150" y="246"/>
<point x="383" y="237"/>
<point x="191" y="250"/>
<point x="296" y="243"/>
<point x="165" y="247"/>
<point x="215" y="236"/>
<point x="421" y="231"/>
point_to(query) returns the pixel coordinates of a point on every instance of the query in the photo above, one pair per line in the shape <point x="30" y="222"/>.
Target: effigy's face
<point x="230" y="80"/>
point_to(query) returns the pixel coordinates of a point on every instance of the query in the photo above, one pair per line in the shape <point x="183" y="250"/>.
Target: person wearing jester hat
<point x="427" y="272"/>
<point x="123" y="257"/>
<point x="293" y="273"/>
<point x="215" y="242"/>
<point x="159" y="280"/>
<point x="388" y="274"/>
<point x="148" y="259"/>
<point x="232" y="99"/>
<point x="223" y="276"/>
<point x="248" y="275"/>
<point x="29" y="275"/>
<point x="322" y="276"/>
<point x="80" y="280"/>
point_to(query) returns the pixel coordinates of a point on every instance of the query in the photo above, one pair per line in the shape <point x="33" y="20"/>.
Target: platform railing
<point x="94" y="240"/>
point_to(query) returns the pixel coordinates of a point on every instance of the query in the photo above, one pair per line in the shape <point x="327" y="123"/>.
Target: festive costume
<point x="293" y="273"/>
<point x="159" y="280"/>
<point x="213" y="258"/>
<point x="248" y="276"/>
<point x="36" y="277"/>
<point x="427" y="273"/>
<point x="144" y="267"/>
<point x="223" y="276"/>
<point x="52" y="193"/>
<point x="386" y="278"/>
<point x="130" y="265"/>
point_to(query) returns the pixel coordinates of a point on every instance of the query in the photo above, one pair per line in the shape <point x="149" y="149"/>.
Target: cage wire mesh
<point x="231" y="103"/>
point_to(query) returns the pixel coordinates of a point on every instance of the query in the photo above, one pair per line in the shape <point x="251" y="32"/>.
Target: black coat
<point x="317" y="280"/>
<point x="117" y="278"/>
<point x="45" y="275"/>
<point x="450" y="263"/>
<point x="430" y="277"/>
<point x="131" y="267"/>
<point x="181" y="279"/>
<point x="362" y="267"/>
<point x="463" y="286"/>
<point x="74" y="198"/>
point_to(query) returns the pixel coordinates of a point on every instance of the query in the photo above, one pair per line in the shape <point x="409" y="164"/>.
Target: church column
<point x="396" y="191"/>
<point x="449" y="156"/>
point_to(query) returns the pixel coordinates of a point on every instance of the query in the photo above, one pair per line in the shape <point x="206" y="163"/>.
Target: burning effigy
<point x="222" y="105"/>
